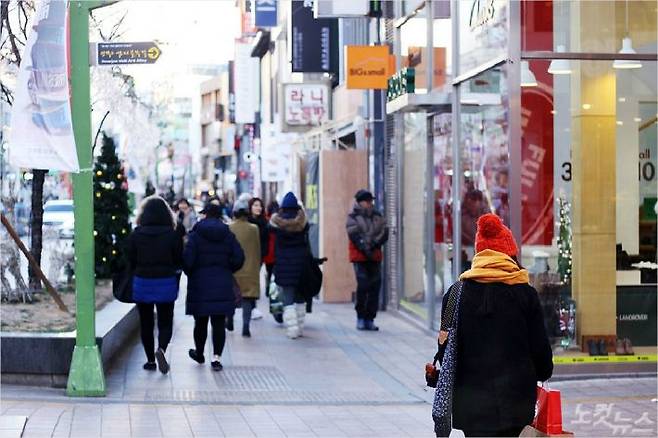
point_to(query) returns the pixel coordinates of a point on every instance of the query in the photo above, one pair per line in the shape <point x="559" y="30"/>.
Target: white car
<point x="59" y="215"/>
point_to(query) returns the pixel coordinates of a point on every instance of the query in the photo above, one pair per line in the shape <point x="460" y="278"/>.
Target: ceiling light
<point x="560" y="66"/>
<point x="586" y="106"/>
<point x="527" y="76"/>
<point x="626" y="49"/>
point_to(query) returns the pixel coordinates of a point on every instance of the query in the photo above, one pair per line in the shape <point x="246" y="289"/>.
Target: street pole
<point x="86" y="378"/>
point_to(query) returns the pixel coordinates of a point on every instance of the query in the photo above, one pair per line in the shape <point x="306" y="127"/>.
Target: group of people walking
<point x="222" y="263"/>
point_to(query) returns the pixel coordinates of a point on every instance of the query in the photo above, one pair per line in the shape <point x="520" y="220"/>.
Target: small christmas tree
<point x="564" y="241"/>
<point x="111" y="211"/>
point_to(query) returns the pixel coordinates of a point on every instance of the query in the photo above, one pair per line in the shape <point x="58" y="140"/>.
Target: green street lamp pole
<point x="86" y="378"/>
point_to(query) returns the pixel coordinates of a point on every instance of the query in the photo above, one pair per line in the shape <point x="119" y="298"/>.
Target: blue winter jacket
<point x="210" y="258"/>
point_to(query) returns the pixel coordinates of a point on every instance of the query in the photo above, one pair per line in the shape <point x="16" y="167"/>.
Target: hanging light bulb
<point x="527" y="76"/>
<point x="560" y="66"/>
<point x="626" y="49"/>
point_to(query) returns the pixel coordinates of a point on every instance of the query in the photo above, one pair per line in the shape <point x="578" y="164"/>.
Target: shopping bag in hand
<point x="548" y="415"/>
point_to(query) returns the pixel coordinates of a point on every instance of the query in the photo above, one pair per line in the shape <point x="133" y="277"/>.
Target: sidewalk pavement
<point x="334" y="382"/>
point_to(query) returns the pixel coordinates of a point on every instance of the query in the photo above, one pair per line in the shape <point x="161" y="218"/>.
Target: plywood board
<point x="342" y="173"/>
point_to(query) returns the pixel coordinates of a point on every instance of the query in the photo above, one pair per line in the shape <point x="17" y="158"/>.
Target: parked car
<point x="59" y="215"/>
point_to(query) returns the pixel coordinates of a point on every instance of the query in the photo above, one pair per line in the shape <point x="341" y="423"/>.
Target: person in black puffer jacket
<point x="154" y="251"/>
<point x="502" y="346"/>
<point x="291" y="251"/>
<point x="211" y="256"/>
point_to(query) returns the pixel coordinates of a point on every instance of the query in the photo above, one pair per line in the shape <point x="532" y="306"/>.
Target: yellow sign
<point x="573" y="360"/>
<point x="367" y="67"/>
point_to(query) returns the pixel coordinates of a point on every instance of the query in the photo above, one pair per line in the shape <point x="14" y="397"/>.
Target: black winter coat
<point x="211" y="256"/>
<point x="291" y="249"/>
<point x="502" y="352"/>
<point x="154" y="251"/>
<point x="263" y="233"/>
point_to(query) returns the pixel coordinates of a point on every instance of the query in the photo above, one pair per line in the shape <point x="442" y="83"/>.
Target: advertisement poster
<point x="42" y="129"/>
<point x="311" y="200"/>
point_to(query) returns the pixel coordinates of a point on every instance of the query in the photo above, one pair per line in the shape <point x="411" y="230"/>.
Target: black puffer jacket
<point x="502" y="352"/>
<point x="291" y="248"/>
<point x="155" y="251"/>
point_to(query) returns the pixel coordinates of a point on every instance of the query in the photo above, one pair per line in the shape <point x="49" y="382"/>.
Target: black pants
<point x="147" y="323"/>
<point x="369" y="281"/>
<point x="218" y="333"/>
<point x="248" y="304"/>
<point x="508" y="432"/>
<point x="269" y="269"/>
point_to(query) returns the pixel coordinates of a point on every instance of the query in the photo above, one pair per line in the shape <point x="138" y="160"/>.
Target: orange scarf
<point x="491" y="266"/>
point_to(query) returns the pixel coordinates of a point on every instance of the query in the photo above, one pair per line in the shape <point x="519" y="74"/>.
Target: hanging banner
<point x="314" y="41"/>
<point x="247" y="84"/>
<point x="42" y="131"/>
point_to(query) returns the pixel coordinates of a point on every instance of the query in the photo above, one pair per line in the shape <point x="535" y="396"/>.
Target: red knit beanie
<point x="493" y="234"/>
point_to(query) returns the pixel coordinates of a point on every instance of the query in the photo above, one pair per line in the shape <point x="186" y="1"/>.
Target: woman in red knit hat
<point x="493" y="344"/>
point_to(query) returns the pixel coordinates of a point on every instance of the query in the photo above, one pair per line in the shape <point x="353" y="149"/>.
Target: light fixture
<point x="560" y="66"/>
<point x="527" y="76"/>
<point x="626" y="49"/>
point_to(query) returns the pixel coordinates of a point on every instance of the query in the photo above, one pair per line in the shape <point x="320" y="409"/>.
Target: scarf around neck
<point x="491" y="266"/>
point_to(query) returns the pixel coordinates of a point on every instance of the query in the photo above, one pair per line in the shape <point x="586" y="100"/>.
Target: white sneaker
<point x="256" y="314"/>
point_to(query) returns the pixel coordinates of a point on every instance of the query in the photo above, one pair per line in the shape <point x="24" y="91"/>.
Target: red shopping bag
<point x="548" y="412"/>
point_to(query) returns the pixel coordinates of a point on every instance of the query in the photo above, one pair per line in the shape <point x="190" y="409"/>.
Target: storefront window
<point x="413" y="223"/>
<point x="483" y="32"/>
<point x="484" y="154"/>
<point x="589" y="26"/>
<point x="589" y="201"/>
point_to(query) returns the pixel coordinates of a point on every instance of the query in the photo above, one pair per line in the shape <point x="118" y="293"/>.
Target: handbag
<point x="431" y="372"/>
<point x="548" y="413"/>
<point x="122" y="285"/>
<point x="442" y="405"/>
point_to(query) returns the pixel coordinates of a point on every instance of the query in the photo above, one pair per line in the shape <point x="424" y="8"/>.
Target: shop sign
<point x="417" y="58"/>
<point x="367" y="67"/>
<point x="266" y="13"/>
<point x="482" y="12"/>
<point x="401" y="83"/>
<point x="305" y="105"/>
<point x="636" y="314"/>
<point x="314" y="41"/>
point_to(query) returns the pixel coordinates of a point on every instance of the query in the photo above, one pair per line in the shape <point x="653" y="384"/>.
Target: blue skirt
<point x="155" y="290"/>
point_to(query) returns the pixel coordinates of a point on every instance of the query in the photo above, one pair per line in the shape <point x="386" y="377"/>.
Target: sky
<point x="189" y="32"/>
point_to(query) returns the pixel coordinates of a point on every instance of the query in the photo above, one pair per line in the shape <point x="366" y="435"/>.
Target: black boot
<point x="229" y="323"/>
<point x="198" y="358"/>
<point x="245" y="331"/>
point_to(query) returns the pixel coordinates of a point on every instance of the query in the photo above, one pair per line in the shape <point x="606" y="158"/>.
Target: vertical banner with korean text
<point x="42" y="129"/>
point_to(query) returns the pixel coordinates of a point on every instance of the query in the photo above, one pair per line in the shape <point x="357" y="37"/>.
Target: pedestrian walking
<point x="154" y="250"/>
<point x="248" y="277"/>
<point x="186" y="215"/>
<point x="258" y="217"/>
<point x="499" y="350"/>
<point x="211" y="257"/>
<point x="291" y="251"/>
<point x="367" y="232"/>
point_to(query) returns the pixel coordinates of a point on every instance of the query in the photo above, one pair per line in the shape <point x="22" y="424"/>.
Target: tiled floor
<point x="334" y="382"/>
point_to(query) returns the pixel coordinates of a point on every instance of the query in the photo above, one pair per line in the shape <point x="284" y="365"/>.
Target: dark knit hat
<point x="493" y="234"/>
<point x="290" y="201"/>
<point x="363" y="195"/>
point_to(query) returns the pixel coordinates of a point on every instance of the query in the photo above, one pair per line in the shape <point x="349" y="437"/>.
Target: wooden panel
<point x="342" y="173"/>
